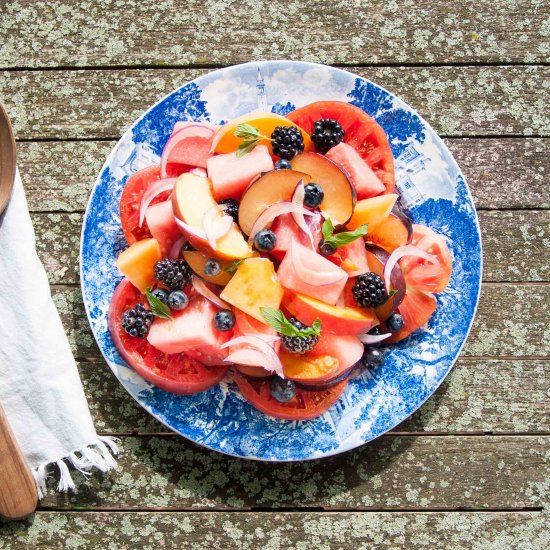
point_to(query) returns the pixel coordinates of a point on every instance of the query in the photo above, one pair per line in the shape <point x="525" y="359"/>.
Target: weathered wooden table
<point x="472" y="468"/>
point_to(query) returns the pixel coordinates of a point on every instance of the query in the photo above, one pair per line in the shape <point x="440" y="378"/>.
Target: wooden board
<point x="478" y="396"/>
<point x="392" y="472"/>
<point x="189" y="32"/>
<point x="501" y="172"/>
<point x="457" y="101"/>
<point x="278" y="530"/>
<point x="509" y="322"/>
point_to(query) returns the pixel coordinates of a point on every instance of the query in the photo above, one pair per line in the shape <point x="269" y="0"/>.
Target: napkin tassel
<point x="82" y="460"/>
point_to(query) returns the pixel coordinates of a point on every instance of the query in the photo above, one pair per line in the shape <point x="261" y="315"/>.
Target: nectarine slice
<point x="309" y="368"/>
<point x="389" y="233"/>
<point x="339" y="198"/>
<point x="138" y="261"/>
<point x="225" y="140"/>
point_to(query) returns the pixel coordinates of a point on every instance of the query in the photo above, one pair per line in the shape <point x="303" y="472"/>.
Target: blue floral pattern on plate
<point x="432" y="188"/>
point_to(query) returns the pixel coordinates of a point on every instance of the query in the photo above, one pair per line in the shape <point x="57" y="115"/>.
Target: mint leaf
<point x="233" y="266"/>
<point x="158" y="308"/>
<point x="276" y="318"/>
<point x="246" y="146"/>
<point x="341" y="239"/>
<point x="246" y="131"/>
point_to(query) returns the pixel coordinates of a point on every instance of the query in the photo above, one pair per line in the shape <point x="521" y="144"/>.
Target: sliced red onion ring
<point x="204" y="291"/>
<point x="253" y="358"/>
<point x="215" y="225"/>
<point x="175" y="139"/>
<point x="175" y="251"/>
<point x="152" y="192"/>
<point x="312" y="276"/>
<point x="263" y="347"/>
<point x="270" y="213"/>
<point x="373" y="338"/>
<point x="398" y="253"/>
<point x="195" y="231"/>
<point x="298" y="217"/>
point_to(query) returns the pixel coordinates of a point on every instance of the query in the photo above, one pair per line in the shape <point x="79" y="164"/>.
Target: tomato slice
<point x="416" y="308"/>
<point x="175" y="373"/>
<point x="423" y="275"/>
<point x="306" y="404"/>
<point x="362" y="132"/>
<point x="130" y="201"/>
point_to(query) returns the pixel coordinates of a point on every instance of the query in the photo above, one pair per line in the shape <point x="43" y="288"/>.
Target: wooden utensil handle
<point x="17" y="488"/>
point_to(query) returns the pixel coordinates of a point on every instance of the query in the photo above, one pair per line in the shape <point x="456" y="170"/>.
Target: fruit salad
<point x="274" y="246"/>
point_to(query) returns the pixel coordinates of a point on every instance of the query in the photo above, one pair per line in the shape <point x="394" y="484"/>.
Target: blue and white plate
<point x="432" y="187"/>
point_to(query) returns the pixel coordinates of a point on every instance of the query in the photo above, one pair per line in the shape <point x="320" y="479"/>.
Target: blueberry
<point x="178" y="300"/>
<point x="395" y="322"/>
<point x="161" y="294"/>
<point x="283" y="164"/>
<point x="224" y="320"/>
<point x="212" y="267"/>
<point x="265" y="240"/>
<point x="282" y="390"/>
<point x="373" y="358"/>
<point x="314" y="195"/>
<point x="375" y="331"/>
<point x="326" y="249"/>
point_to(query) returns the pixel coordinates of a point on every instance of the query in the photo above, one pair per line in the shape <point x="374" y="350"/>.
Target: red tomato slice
<point x="417" y="308"/>
<point x="175" y="373"/>
<point x="130" y="201"/>
<point x="306" y="404"/>
<point x="362" y="132"/>
<point x="423" y="275"/>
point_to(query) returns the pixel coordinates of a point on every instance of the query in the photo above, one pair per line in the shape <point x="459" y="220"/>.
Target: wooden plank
<point x="77" y="34"/>
<point x="511" y="321"/>
<point x="516" y="245"/>
<point x="277" y="530"/>
<point x="502" y="173"/>
<point x="477" y="396"/>
<point x="457" y="101"/>
<point x="392" y="472"/>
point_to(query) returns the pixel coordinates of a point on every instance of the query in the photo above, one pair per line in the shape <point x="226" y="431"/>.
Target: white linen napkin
<point x="40" y="388"/>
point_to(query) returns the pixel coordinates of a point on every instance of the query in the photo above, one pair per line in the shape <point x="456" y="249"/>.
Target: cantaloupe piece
<point x="138" y="261"/>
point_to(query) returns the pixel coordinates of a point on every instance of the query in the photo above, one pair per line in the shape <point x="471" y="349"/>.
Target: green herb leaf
<point x="246" y="131"/>
<point x="341" y="239"/>
<point x="158" y="308"/>
<point x="233" y="266"/>
<point x="276" y="318"/>
<point x="391" y="293"/>
<point x="246" y="146"/>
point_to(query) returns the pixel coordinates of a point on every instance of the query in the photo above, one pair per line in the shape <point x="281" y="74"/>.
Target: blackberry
<point x="282" y="390"/>
<point x="369" y="290"/>
<point x="326" y="134"/>
<point x="314" y="195"/>
<point x="283" y="164"/>
<point x="299" y="344"/>
<point x="137" y="321"/>
<point x="287" y="141"/>
<point x="178" y="300"/>
<point x="224" y="320"/>
<point x="265" y="240"/>
<point x="212" y="267"/>
<point x="231" y="208"/>
<point x="175" y="274"/>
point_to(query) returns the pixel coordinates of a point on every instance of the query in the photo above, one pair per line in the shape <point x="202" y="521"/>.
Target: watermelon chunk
<point x="162" y="225"/>
<point x="192" y="332"/>
<point x="189" y="146"/>
<point x="286" y="229"/>
<point x="364" y="180"/>
<point x="290" y="279"/>
<point x="230" y="175"/>
<point x="352" y="258"/>
<point x="185" y="123"/>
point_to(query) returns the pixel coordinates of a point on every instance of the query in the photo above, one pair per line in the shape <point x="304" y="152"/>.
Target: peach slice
<point x="254" y="285"/>
<point x="138" y="261"/>
<point x="225" y="140"/>
<point x="309" y="368"/>
<point x="340" y="197"/>
<point x="197" y="260"/>
<point x="191" y="199"/>
<point x="335" y="320"/>
<point x="390" y="232"/>
<point x="275" y="186"/>
<point x="371" y="211"/>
